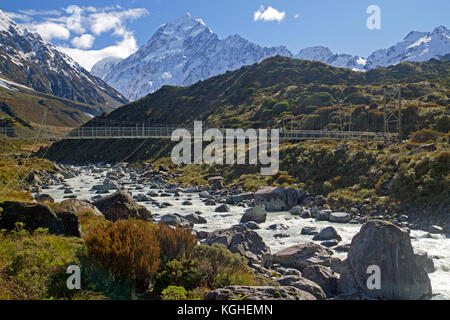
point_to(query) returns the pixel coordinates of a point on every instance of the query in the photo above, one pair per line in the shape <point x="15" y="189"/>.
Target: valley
<point x="87" y="180"/>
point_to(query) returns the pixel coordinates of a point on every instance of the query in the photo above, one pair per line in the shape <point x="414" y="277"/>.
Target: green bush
<point x="174" y="293"/>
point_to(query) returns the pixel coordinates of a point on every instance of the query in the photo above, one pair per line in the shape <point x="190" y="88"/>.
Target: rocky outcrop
<point x="385" y="245"/>
<point x="259" y="293"/>
<point x="256" y="214"/>
<point x="243" y="241"/>
<point x="302" y="256"/>
<point x="36" y="215"/>
<point x="277" y="198"/>
<point x="121" y="206"/>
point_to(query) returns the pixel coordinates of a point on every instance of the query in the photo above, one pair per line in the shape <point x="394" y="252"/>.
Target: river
<point x="437" y="246"/>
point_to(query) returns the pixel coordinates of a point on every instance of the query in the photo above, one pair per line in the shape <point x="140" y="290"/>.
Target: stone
<point x="278" y="226"/>
<point x="259" y="293"/>
<point x="37" y="215"/>
<point x="252" y="225"/>
<point x="277" y="198"/>
<point x="324" y="277"/>
<point x="329" y="243"/>
<point x="281" y="235"/>
<point x="340" y="217"/>
<point x="328" y="233"/>
<point x="120" y="205"/>
<point x="309" y="231"/>
<point x="44" y="198"/>
<point x="195" y="219"/>
<point x="175" y="220"/>
<point x="78" y="207"/>
<point x="303" y="284"/>
<point x="244" y="241"/>
<point x="222" y="208"/>
<point x="303" y="255"/>
<point x="186" y="203"/>
<point x="323" y="215"/>
<point x="235" y="199"/>
<point x="256" y="214"/>
<point x="387" y="246"/>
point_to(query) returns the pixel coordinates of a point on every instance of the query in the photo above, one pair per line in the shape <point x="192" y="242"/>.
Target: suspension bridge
<point x="143" y="132"/>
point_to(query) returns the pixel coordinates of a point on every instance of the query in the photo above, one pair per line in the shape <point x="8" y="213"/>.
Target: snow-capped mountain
<point x="325" y="55"/>
<point x="104" y="66"/>
<point x="28" y="60"/>
<point x="181" y="53"/>
<point x="417" y="47"/>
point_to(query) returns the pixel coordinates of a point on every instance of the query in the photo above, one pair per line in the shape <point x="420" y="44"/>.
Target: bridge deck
<point x="166" y="133"/>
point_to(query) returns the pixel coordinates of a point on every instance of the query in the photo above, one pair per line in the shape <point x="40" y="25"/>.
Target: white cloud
<point x="269" y="14"/>
<point x="84" y="23"/>
<point x="50" y="30"/>
<point x="83" y="42"/>
<point x="87" y="58"/>
<point x="297" y="15"/>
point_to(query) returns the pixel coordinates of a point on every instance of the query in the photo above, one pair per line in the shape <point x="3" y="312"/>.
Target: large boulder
<point x="256" y="214"/>
<point x="385" y="245"/>
<point x="243" y="241"/>
<point x="120" y="206"/>
<point x="259" y="293"/>
<point x="302" y="256"/>
<point x="36" y="215"/>
<point x="277" y="198"/>
<point x="302" y="284"/>
<point x="78" y="207"/>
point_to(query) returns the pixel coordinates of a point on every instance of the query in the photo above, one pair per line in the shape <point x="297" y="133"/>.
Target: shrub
<point x="219" y="267"/>
<point x="128" y="248"/>
<point x="174" y="293"/>
<point x="174" y="243"/>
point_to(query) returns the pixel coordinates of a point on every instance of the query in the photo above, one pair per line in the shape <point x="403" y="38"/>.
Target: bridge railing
<point x="166" y="133"/>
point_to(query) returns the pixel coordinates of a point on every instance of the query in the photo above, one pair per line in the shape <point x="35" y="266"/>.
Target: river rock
<point x="340" y="217"/>
<point x="252" y="225"/>
<point x="195" y="219"/>
<point x="36" y="215"/>
<point x="120" y="205"/>
<point x="309" y="231"/>
<point x="323" y="215"/>
<point x="303" y="284"/>
<point x="324" y="277"/>
<point x="41" y="197"/>
<point x="259" y="293"/>
<point x="256" y="214"/>
<point x="243" y="241"/>
<point x="235" y="199"/>
<point x="328" y="233"/>
<point x="385" y="245"/>
<point x="222" y="208"/>
<point x="303" y="255"/>
<point x="277" y="198"/>
<point x="78" y="207"/>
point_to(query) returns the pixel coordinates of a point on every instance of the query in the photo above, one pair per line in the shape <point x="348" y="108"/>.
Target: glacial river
<point x="437" y="246"/>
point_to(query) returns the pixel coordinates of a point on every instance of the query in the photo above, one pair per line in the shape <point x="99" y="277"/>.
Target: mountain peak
<point x="185" y="26"/>
<point x="441" y="30"/>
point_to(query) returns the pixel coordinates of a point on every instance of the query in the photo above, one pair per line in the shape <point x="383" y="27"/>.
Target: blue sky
<point x="93" y="29"/>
